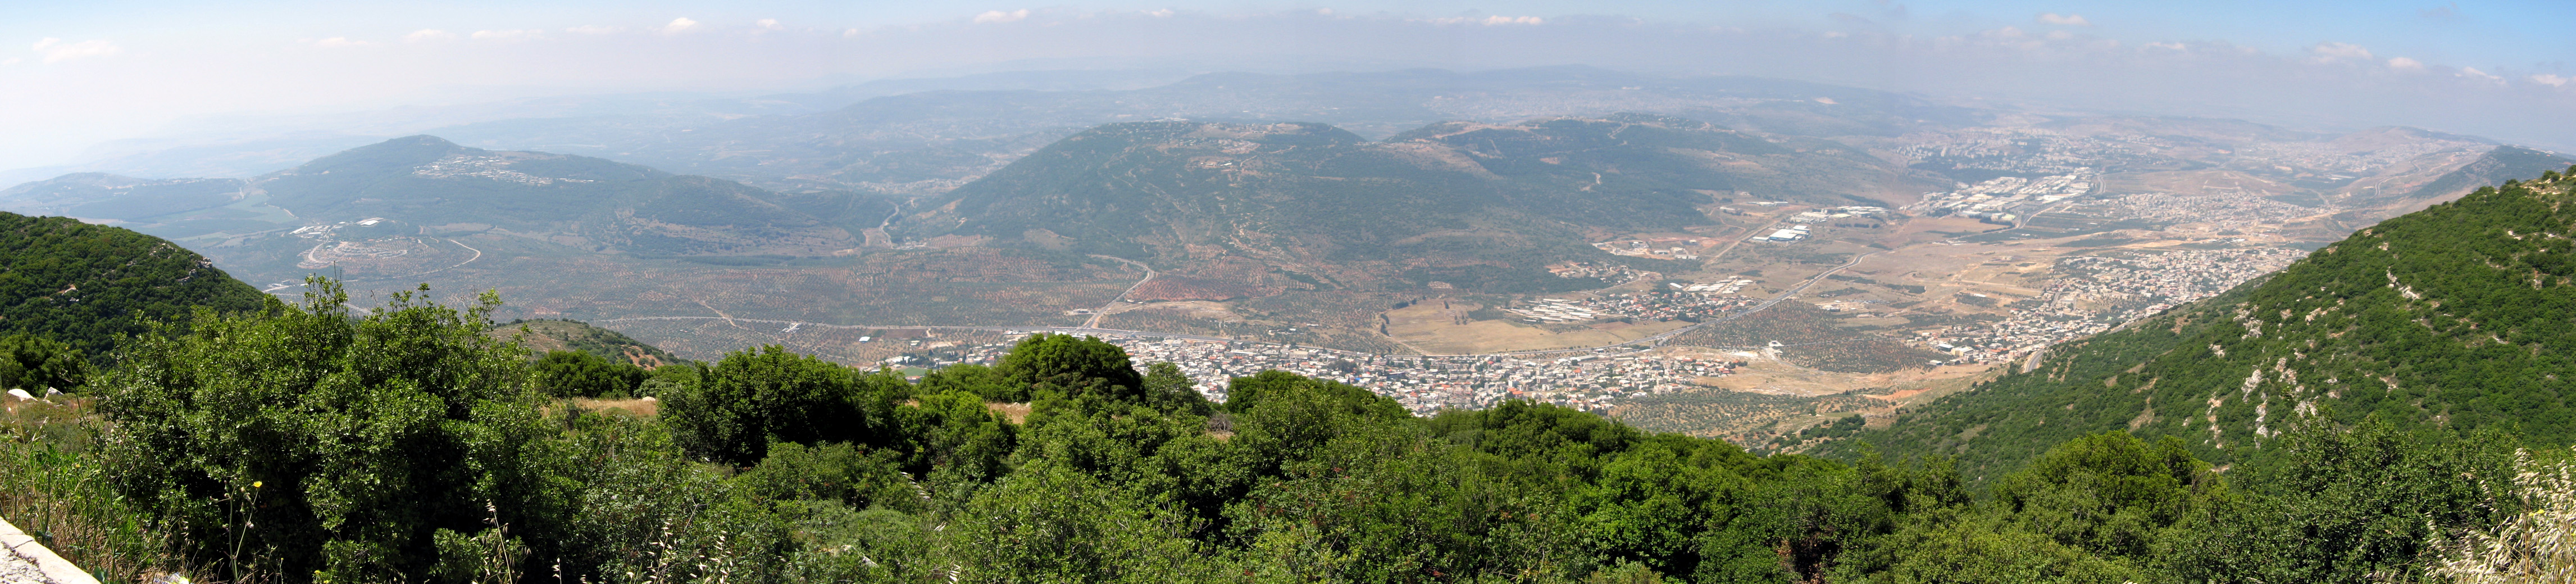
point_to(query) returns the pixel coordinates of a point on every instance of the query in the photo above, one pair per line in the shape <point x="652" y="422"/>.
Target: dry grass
<point x="641" y="407"/>
<point x="1015" y="412"/>
<point x="49" y="490"/>
<point x="1433" y="329"/>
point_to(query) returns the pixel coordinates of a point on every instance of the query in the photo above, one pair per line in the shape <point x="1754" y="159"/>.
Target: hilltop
<point x="1477" y="206"/>
<point x="427" y="181"/>
<point x="948" y="134"/>
<point x="571" y="335"/>
<point x="2448" y="317"/>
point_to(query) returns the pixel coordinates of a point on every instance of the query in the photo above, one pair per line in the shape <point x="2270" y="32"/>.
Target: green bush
<point x="324" y="442"/>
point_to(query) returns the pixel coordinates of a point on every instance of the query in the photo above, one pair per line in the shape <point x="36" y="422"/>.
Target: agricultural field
<point x="1451" y="327"/>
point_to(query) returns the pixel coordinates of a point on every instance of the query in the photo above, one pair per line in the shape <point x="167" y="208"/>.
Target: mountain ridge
<point x="2436" y="318"/>
<point x="1481" y="206"/>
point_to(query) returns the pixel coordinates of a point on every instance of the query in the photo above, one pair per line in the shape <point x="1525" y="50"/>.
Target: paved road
<point x="478" y="254"/>
<point x="1094" y="321"/>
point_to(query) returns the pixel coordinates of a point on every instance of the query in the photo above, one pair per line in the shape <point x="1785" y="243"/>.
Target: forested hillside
<point x="2454" y="317"/>
<point x="85" y="285"/>
<point x="322" y="443"/>
<point x="1480" y="206"/>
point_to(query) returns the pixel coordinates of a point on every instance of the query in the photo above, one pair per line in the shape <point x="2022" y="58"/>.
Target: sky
<point x="75" y="74"/>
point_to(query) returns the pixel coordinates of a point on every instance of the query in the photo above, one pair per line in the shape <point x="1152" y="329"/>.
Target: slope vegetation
<point x="86" y="285"/>
<point x="543" y="335"/>
<point x="2457" y="316"/>
<point x="1479" y="206"/>
<point x="108" y="196"/>
<point x="425" y="180"/>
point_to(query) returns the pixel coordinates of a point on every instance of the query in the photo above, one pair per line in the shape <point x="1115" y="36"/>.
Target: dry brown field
<point x="1430" y="328"/>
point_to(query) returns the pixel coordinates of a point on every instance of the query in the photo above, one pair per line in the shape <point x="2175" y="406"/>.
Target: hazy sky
<point x="76" y="73"/>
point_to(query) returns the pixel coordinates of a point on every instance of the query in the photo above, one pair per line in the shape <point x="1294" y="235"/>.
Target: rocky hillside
<point x="2458" y="315"/>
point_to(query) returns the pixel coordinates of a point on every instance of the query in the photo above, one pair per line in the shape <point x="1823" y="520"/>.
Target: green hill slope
<point x="2460" y="316"/>
<point x="424" y="180"/>
<point x="1477" y="205"/>
<point x="108" y="196"/>
<point x="86" y="284"/>
<point x="2496" y="166"/>
<point x="547" y="334"/>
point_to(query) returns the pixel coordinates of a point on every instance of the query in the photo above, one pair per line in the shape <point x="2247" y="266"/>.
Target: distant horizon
<point x="219" y="130"/>
<point x="97" y="73"/>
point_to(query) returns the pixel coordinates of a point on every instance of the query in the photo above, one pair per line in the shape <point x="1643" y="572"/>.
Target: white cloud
<point x="2339" y="51"/>
<point x="1502" y="20"/>
<point x="2059" y="35"/>
<point x="56" y="51"/>
<point x="2474" y="72"/>
<point x="428" y="34"/>
<point x="2405" y="64"/>
<point x="2551" y="80"/>
<point x="339" y="42"/>
<point x="1000" y="16"/>
<point x="679" y="25"/>
<point x="768" y="23"/>
<point x="2166" y="46"/>
<point x="593" y="29"/>
<point x="507" y="35"/>
<point x="2065" y="19"/>
<point x="1167" y="12"/>
<point x="10" y="61"/>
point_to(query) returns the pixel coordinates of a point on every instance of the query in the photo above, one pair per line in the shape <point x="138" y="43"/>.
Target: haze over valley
<point x="1726" y="293"/>
<point x="1886" y="244"/>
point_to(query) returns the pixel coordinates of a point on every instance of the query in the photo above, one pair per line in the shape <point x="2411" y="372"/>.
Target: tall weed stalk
<point x="54" y="487"/>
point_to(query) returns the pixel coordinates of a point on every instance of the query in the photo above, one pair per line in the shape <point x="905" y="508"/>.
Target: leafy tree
<point x="975" y="379"/>
<point x="36" y="363"/>
<point x="1165" y="388"/>
<point x="752" y="398"/>
<point x="1244" y="394"/>
<point x="837" y="472"/>
<point x="582" y="374"/>
<point x="2338" y="505"/>
<point x="1072" y="366"/>
<point x="1552" y="439"/>
<point x="953" y="436"/>
<point x="1048" y="523"/>
<point x="1966" y="546"/>
<point x="323" y="442"/>
<point x="2108" y="493"/>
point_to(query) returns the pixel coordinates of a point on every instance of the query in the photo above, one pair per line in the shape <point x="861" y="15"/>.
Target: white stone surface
<point x="29" y="562"/>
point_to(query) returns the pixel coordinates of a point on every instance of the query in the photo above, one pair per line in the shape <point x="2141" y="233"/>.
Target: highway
<point x="1094" y="322"/>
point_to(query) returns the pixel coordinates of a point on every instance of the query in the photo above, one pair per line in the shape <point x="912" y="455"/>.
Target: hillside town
<point x="2095" y="293"/>
<point x="2006" y="199"/>
<point x="1424" y="384"/>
